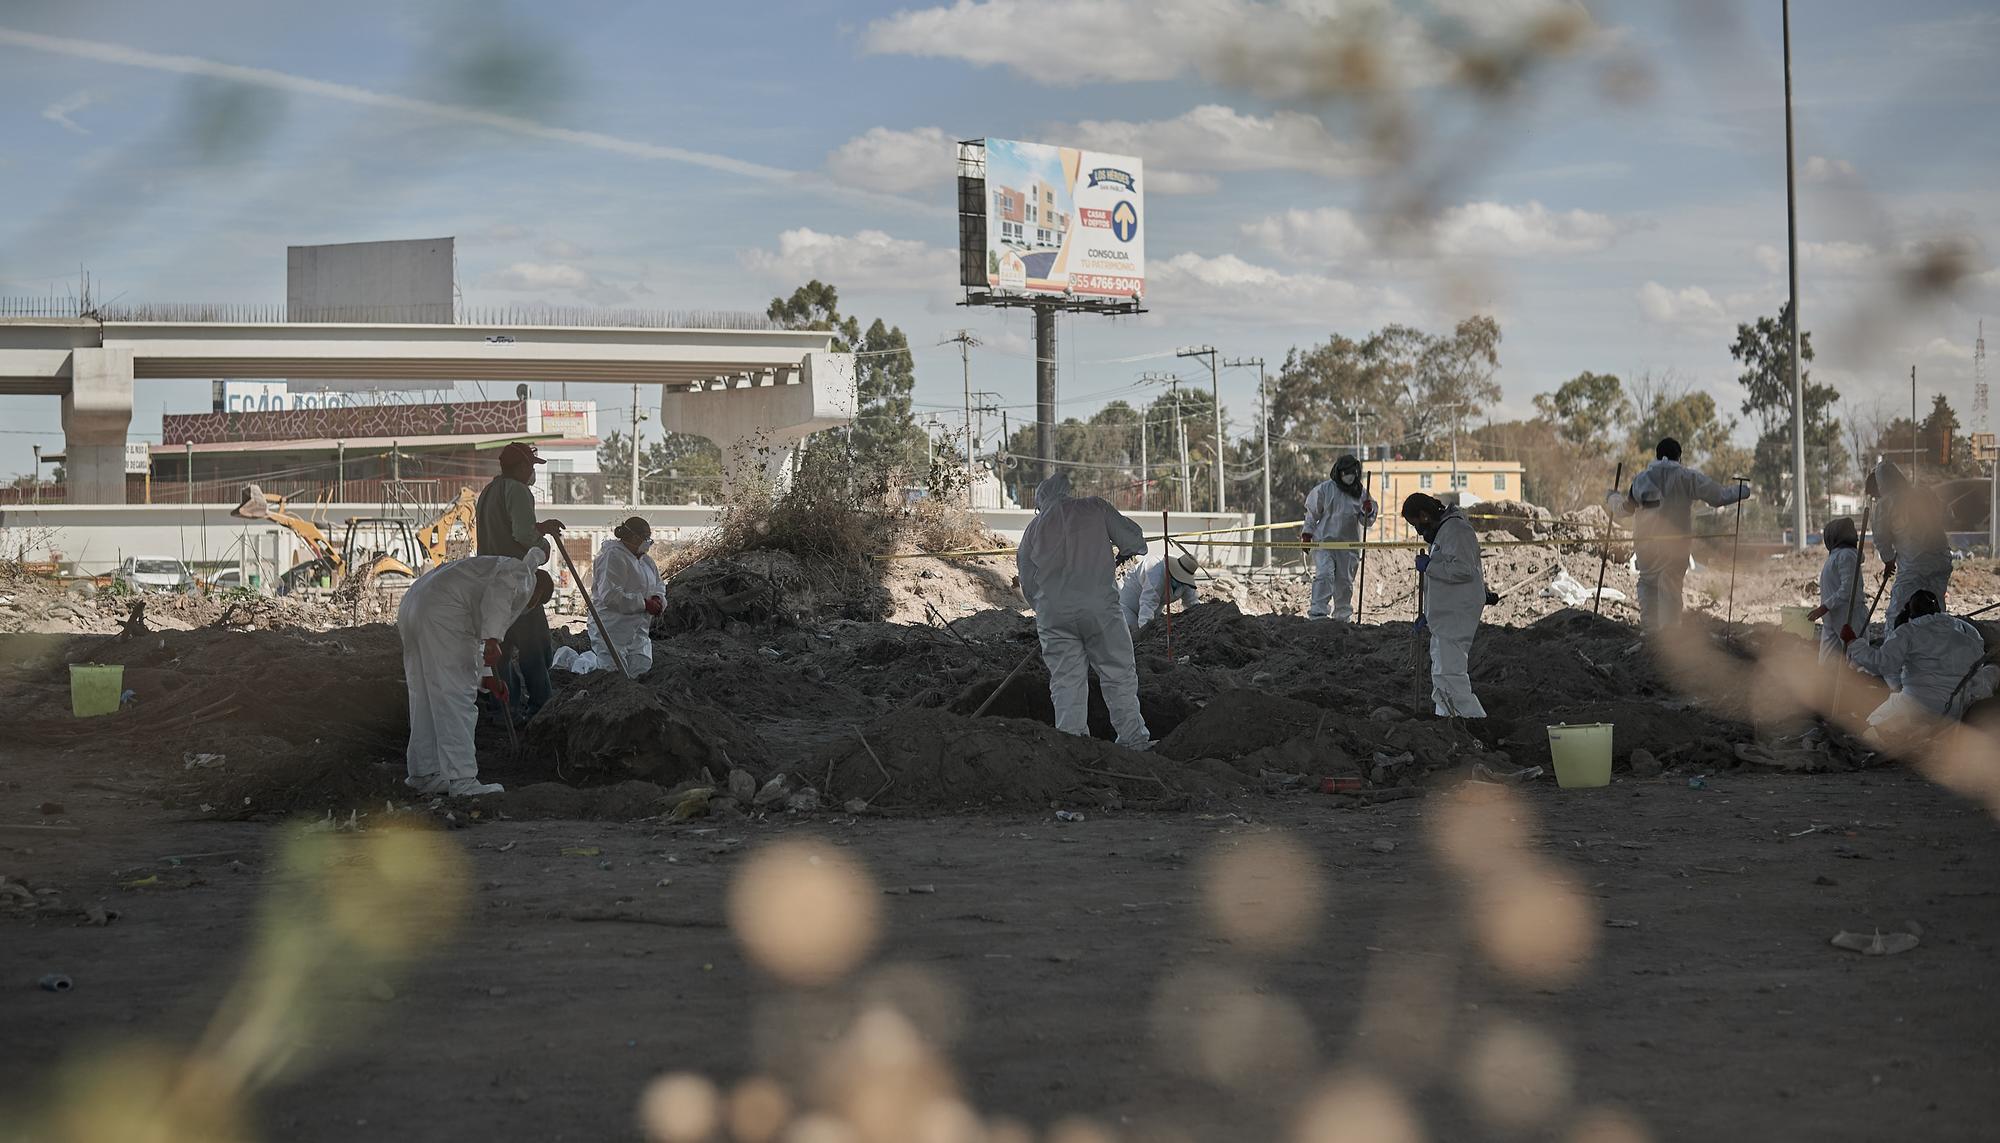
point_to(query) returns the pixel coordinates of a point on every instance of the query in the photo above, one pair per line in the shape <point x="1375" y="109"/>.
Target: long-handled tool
<point x="609" y="645"/>
<point x="1604" y="555"/>
<point x="1004" y="683"/>
<point x="1166" y="585"/>
<point x="1735" y="548"/>
<point x="1981" y="611"/>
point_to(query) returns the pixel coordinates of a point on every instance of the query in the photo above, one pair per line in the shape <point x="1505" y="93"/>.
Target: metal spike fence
<point x="70" y="308"/>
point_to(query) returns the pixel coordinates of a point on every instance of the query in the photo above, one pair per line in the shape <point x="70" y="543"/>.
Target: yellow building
<point x="1394" y="480"/>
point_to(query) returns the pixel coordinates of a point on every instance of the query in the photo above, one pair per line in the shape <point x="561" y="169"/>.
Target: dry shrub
<point x="941" y="526"/>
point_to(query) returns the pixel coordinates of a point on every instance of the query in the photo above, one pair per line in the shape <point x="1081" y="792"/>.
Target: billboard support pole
<point x="1045" y="388"/>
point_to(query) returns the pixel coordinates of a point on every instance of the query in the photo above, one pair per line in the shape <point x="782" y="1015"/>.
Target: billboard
<point x="273" y="396"/>
<point x="1064" y="222"/>
<point x="408" y="282"/>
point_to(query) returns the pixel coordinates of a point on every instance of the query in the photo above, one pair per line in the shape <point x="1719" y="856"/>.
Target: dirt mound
<point x="935" y="760"/>
<point x="605" y="726"/>
<point x="1215" y="634"/>
<point x="752" y="589"/>
<point x="1236" y="722"/>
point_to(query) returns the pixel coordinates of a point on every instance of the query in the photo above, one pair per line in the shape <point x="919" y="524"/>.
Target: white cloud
<point x="1181" y="182"/>
<point x="528" y="276"/>
<point x="865" y="259"/>
<point x="1832" y="257"/>
<point x="1228" y="286"/>
<point x="1473" y="230"/>
<point x="1689" y="305"/>
<point x="1289" y="47"/>
<point x="1944" y="349"/>
<point x="1820" y="169"/>
<point x="895" y="162"/>
<point x="1496" y="230"/>
<point x="560" y="249"/>
<point x="1216" y="138"/>
<point x="1328" y="234"/>
<point x="60" y="111"/>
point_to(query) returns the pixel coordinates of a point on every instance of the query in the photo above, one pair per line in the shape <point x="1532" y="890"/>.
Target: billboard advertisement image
<point x="1064" y="221"/>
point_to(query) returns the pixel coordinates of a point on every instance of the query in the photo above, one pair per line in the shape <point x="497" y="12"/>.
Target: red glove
<point x="655" y="605"/>
<point x="1367" y="507"/>
<point x="493" y="652"/>
<point x="1305" y="537"/>
<point x="492" y="685"/>
<point x="1846" y="633"/>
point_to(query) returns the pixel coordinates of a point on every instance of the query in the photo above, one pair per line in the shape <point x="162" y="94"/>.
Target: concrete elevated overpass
<point x="754" y="392"/>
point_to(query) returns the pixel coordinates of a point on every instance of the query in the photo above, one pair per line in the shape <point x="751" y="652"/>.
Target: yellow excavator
<point x="377" y="548"/>
<point x="436" y="538"/>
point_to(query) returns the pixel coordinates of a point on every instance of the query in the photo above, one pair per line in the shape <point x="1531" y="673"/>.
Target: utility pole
<point x="1145" y="474"/>
<point x="1792" y="260"/>
<point x="633" y="498"/>
<point x="965" y="342"/>
<point x="1914" y="435"/>
<point x="1457" y="418"/>
<point x="1215" y="388"/>
<point x="1263" y="555"/>
<point x="1045" y="387"/>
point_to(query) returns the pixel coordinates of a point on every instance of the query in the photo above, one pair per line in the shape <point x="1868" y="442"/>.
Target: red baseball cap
<point x="520" y="451"/>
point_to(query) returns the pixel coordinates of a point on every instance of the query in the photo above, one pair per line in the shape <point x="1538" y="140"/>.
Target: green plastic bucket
<point x="94" y="688"/>
<point x="1794" y="621"/>
<point x="1582" y="754"/>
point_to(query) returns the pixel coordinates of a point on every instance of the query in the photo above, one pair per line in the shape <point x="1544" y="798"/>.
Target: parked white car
<point x="155" y="573"/>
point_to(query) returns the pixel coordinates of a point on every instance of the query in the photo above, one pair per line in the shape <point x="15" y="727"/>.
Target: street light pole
<point x="965" y="342"/>
<point x="1792" y="257"/>
<point x="1215" y="388"/>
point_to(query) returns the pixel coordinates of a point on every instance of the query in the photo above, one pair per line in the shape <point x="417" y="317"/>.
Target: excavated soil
<point x="763" y="668"/>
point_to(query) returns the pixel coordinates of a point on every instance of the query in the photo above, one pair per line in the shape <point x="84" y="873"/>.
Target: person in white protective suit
<point x="1454" y="590"/>
<point x="1661" y="502"/>
<point x="1067" y="556"/>
<point x="1935" y="667"/>
<point x="1337" y="509"/>
<point x="1841" y="609"/>
<point x="1909" y="536"/>
<point x="1143" y="587"/>
<point x="451" y="621"/>
<point x="625" y="586"/>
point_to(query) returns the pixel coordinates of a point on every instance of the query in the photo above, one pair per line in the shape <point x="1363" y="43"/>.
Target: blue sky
<point x="1619" y="212"/>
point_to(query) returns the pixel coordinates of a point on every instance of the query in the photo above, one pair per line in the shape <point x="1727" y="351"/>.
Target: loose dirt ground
<point x="1715" y="1009"/>
<point x="1067" y="968"/>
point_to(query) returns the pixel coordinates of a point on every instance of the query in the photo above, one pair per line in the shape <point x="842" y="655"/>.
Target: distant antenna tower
<point x="1979" y="381"/>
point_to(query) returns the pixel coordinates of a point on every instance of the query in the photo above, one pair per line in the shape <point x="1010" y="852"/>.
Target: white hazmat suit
<point x="1661" y="502"/>
<point x="445" y="619"/>
<point x="1930" y="664"/>
<point x="1454" y="597"/>
<point x="1139" y="594"/>
<point x="1066" y="561"/>
<point x="1845" y="606"/>
<point x="1909" y="532"/>
<point x="1335" y="514"/>
<point x="620" y="585"/>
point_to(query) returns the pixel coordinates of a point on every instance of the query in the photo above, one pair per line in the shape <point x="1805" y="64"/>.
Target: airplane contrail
<point x="347" y="93"/>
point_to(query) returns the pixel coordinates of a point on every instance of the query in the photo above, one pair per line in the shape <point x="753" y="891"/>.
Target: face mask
<point x="645" y="546"/>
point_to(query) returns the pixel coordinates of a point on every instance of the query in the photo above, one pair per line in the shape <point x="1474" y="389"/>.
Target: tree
<point x="1586" y="410"/>
<point x="1764" y="348"/>
<point x="681" y="468"/>
<point x="885" y="433"/>
<point x="1412" y="388"/>
<point x="1940" y="451"/>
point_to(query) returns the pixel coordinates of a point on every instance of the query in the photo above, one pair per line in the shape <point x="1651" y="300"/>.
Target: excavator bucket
<point x="254" y="506"/>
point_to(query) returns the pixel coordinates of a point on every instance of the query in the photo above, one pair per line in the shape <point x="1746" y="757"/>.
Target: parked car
<point x="154" y="573"/>
<point x="227" y="581"/>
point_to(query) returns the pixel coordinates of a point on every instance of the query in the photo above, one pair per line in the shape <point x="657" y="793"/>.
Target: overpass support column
<point x="96" y="413"/>
<point x="759" y="426"/>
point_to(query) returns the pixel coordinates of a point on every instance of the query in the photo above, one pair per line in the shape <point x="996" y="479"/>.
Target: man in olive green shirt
<point x="507" y="527"/>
